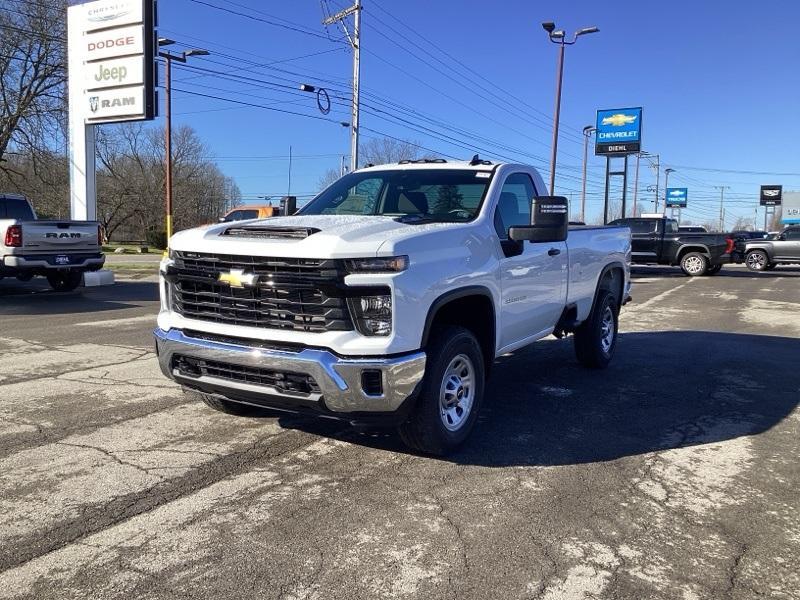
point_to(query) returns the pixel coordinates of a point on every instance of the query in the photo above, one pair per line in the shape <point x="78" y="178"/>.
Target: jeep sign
<point x="114" y="72"/>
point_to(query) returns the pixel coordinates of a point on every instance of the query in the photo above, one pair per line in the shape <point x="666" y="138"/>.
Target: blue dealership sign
<point x="677" y="197"/>
<point x="619" y="131"/>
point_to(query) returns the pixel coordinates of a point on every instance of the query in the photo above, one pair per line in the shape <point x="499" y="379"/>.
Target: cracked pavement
<point x="671" y="475"/>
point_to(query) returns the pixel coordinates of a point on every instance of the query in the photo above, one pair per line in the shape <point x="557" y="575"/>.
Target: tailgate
<point x="59" y="236"/>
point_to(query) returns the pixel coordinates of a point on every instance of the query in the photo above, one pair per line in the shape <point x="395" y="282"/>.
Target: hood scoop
<point x="272" y="233"/>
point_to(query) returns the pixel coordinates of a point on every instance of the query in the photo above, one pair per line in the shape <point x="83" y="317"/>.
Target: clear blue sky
<point x="719" y="83"/>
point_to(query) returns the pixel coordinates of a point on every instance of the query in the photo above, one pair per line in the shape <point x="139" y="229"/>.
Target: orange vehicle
<point x="240" y="213"/>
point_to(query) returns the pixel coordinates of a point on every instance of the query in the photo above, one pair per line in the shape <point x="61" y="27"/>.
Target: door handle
<point x="554" y="252"/>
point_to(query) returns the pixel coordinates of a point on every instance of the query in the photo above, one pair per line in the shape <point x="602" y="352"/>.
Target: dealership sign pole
<point x="111" y="79"/>
<point x="618" y="133"/>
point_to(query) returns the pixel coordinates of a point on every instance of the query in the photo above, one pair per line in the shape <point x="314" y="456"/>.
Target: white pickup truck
<point x="59" y="250"/>
<point x="388" y="297"/>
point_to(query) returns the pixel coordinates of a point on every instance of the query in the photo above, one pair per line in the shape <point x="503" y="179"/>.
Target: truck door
<point x="533" y="275"/>
<point x="645" y="240"/>
<point x="789" y="247"/>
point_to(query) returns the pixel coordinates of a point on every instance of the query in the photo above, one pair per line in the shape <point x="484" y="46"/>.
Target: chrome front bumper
<point x="339" y="379"/>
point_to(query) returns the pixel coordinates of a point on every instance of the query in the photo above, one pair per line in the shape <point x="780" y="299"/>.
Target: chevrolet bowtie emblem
<point x="238" y="278"/>
<point x="619" y="120"/>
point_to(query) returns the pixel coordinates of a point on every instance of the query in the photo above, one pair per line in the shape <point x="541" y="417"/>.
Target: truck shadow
<point x="36" y="298"/>
<point x="727" y="271"/>
<point x="663" y="390"/>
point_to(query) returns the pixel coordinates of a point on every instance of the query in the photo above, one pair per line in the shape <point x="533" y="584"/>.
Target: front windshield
<point x="417" y="195"/>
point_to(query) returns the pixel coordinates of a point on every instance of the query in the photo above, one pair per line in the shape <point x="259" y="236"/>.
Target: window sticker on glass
<point x="483" y="175"/>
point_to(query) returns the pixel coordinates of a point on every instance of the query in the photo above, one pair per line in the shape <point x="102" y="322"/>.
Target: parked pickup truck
<point x="387" y="298"/>
<point x="656" y="240"/>
<point x="766" y="254"/>
<point x="59" y="250"/>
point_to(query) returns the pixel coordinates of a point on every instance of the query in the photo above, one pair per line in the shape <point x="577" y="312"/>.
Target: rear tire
<point x="596" y="338"/>
<point x="770" y="266"/>
<point x="451" y="394"/>
<point x="714" y="270"/>
<point x="230" y="408"/>
<point x="65" y="282"/>
<point x="24" y="277"/>
<point x="757" y="260"/>
<point x="694" y="264"/>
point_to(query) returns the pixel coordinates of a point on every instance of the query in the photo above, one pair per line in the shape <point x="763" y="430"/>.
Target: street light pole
<point x="168" y="58"/>
<point x="587" y="132"/>
<point x="559" y="37"/>
<point x="666" y="187"/>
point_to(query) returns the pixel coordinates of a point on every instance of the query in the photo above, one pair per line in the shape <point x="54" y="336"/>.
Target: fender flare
<point x="609" y="267"/>
<point x="449" y="296"/>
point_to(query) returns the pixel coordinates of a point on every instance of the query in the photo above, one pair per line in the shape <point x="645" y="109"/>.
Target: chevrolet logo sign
<point x="619" y="120"/>
<point x="237" y="278"/>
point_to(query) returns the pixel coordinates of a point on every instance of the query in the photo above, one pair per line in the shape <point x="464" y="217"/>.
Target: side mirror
<point x="222" y="219"/>
<point x="549" y="221"/>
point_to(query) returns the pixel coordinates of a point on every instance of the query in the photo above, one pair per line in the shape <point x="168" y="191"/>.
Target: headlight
<point x="372" y="314"/>
<point x="390" y="264"/>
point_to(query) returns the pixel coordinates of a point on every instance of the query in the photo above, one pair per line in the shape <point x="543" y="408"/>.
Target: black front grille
<point x="293" y="383"/>
<point x="288" y="293"/>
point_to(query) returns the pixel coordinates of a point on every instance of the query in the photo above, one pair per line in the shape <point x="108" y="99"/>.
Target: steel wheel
<point x="694" y="265"/>
<point x="607" y="330"/>
<point x="457" y="392"/>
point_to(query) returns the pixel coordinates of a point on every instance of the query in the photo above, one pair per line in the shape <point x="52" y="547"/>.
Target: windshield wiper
<point x="416" y="219"/>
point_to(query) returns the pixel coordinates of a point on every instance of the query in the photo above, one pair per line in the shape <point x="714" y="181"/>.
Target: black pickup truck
<point x="656" y="240"/>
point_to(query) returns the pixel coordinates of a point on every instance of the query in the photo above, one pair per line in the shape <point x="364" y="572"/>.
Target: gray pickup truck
<point x="61" y="251"/>
<point x="766" y="254"/>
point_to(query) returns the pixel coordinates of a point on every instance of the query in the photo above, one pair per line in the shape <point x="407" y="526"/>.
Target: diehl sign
<point x="619" y="131"/>
<point x="771" y="195"/>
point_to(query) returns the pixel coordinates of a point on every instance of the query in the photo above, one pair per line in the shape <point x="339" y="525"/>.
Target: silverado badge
<point x="237" y="278"/>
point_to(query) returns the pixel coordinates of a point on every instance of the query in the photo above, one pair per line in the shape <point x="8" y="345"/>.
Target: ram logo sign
<point x="619" y="131"/>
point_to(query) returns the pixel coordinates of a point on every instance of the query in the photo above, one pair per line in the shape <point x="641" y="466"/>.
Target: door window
<point x="793" y="235"/>
<point x="514" y="205"/>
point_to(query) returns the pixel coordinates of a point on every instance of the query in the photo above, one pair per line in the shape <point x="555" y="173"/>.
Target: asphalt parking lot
<point x="673" y="474"/>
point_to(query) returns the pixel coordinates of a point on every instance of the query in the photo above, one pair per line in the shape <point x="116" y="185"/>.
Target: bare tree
<point x="743" y="223"/>
<point x="328" y="178"/>
<point x="380" y="151"/>
<point x="32" y="78"/>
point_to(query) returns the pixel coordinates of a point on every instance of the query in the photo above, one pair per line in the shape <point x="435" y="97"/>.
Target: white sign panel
<point x="114" y="72"/>
<point x="111" y="44"/>
<point x="114" y="105"/>
<point x="112" y="13"/>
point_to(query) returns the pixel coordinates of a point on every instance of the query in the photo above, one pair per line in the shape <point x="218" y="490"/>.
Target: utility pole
<point x="636" y="183"/>
<point x="355" y="42"/>
<point x="666" y="187"/>
<point x="289" y="191"/>
<point x="658" y="177"/>
<point x="587" y="132"/>
<point x="343" y="168"/>
<point x="722" y="189"/>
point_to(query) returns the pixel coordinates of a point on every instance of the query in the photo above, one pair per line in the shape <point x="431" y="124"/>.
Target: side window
<point x="248" y="214"/>
<point x="514" y="205"/>
<point x="642" y="226"/>
<point x="234" y="216"/>
<point x="793" y="235"/>
<point x="671" y="227"/>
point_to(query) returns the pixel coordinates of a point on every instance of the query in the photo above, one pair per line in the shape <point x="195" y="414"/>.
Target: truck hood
<point x="329" y="236"/>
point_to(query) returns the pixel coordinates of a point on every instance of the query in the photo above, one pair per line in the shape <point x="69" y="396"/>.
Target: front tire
<point x="757" y="260"/>
<point x="596" y="338"/>
<point x="694" y="264"/>
<point x="64" y="282"/>
<point x="451" y="394"/>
